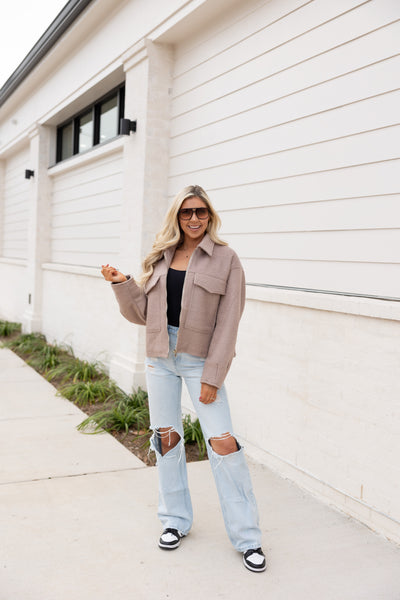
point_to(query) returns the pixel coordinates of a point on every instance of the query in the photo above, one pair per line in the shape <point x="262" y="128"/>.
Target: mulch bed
<point x="135" y="441"/>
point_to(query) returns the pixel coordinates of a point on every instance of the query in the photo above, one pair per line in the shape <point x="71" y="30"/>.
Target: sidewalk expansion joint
<point x="35" y="417"/>
<point x="73" y="475"/>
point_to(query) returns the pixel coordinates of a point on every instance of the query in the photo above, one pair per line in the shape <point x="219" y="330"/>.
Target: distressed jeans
<point x="164" y="384"/>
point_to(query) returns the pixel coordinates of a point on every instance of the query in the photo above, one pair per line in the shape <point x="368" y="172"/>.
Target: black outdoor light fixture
<point x="126" y="126"/>
<point x="29" y="173"/>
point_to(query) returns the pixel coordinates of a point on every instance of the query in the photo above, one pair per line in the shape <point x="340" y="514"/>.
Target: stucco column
<point x="38" y="227"/>
<point x="148" y="76"/>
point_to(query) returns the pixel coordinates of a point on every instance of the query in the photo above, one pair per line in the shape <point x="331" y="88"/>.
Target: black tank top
<point x="175" y="281"/>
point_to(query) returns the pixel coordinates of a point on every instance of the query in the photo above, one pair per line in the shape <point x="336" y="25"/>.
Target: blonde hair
<point x="171" y="234"/>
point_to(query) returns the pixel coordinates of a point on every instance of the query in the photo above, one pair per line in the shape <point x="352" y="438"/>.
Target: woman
<point x="190" y="297"/>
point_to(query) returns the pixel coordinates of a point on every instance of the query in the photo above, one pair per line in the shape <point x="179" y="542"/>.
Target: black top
<point x="175" y="281"/>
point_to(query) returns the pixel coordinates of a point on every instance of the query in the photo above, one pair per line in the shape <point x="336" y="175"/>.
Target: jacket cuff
<point x="127" y="289"/>
<point x="214" y="373"/>
<point x="121" y="282"/>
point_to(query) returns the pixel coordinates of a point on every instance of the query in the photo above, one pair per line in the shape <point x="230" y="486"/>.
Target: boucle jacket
<point x="212" y="303"/>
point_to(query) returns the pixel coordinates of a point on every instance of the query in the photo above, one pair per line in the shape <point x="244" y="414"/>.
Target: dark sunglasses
<point x="187" y="213"/>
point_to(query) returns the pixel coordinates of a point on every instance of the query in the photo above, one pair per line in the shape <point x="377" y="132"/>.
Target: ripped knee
<point x="165" y="439"/>
<point x="224" y="444"/>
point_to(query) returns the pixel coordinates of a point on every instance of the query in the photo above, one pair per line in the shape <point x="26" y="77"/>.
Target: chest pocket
<point x="205" y="299"/>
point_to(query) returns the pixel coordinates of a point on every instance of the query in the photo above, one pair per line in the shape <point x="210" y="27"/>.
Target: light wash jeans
<point x="164" y="384"/>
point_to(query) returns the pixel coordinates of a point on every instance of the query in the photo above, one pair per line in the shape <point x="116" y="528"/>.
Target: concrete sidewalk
<point x="78" y="521"/>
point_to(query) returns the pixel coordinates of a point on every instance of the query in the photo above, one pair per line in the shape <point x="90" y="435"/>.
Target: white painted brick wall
<point x="319" y="391"/>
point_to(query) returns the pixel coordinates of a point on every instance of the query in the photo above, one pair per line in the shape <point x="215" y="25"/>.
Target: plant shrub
<point x="89" y="392"/>
<point x="7" y="328"/>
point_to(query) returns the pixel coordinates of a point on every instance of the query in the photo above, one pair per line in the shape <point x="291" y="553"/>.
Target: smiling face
<point x="194" y="228"/>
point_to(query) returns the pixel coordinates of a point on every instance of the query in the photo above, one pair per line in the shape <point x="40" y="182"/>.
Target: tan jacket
<point x="212" y="303"/>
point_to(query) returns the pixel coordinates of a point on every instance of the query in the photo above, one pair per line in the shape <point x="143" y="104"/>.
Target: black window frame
<point x="95" y="108"/>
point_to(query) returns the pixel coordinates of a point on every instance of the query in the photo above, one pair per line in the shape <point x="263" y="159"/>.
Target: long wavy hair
<point x="171" y="233"/>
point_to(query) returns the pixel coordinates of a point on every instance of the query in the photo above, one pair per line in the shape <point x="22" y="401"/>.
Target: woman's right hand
<point x="112" y="274"/>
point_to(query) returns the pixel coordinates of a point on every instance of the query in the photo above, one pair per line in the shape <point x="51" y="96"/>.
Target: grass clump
<point x="89" y="392"/>
<point x="7" y="328"/>
<point x="45" y="358"/>
<point x="27" y="343"/>
<point x="129" y="411"/>
<point x="75" y="369"/>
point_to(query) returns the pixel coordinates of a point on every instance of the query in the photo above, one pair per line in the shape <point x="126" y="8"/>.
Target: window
<point x="94" y="125"/>
<point x="108" y="119"/>
<point x="66" y="134"/>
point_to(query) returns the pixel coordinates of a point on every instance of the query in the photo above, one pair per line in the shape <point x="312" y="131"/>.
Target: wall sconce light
<point x="126" y="126"/>
<point x="29" y="173"/>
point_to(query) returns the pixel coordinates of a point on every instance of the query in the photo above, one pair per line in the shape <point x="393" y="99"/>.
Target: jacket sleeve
<point x="222" y="346"/>
<point x="132" y="301"/>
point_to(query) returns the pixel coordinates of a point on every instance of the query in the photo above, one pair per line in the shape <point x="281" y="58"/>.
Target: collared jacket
<point x="212" y="303"/>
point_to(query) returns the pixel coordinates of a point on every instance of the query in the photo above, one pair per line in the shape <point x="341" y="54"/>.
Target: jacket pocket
<point x="205" y="298"/>
<point x="211" y="284"/>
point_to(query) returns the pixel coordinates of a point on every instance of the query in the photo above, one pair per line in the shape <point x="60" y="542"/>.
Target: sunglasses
<point x="187" y="213"/>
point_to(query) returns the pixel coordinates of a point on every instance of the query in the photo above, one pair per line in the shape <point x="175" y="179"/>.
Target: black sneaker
<point x="170" y="539"/>
<point x="254" y="560"/>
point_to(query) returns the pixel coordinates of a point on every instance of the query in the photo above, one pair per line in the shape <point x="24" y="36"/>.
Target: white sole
<point x="169" y="546"/>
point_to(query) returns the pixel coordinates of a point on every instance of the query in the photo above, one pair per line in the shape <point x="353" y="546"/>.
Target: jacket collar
<point x="206" y="244"/>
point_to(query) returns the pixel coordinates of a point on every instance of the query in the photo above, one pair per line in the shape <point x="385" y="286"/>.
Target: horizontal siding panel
<point x="16" y="244"/>
<point x="17" y="186"/>
<point x="211" y="121"/>
<point x="98" y="201"/>
<point x="87" y="231"/>
<point x="86" y="212"/>
<point x="353" y="278"/>
<point x="364" y="148"/>
<point x="19" y="231"/>
<point x="344" y="121"/>
<point x="90" y="172"/>
<point x="364" y="180"/>
<point x="268" y="81"/>
<point x="16" y="204"/>
<point x="16" y="192"/>
<point x="92" y="245"/>
<point x="379" y="212"/>
<point x="15" y="214"/>
<point x="87" y="217"/>
<point x="352" y="246"/>
<point x="239" y="23"/>
<point x="358" y="87"/>
<point x="14" y="249"/>
<point x="108" y="183"/>
<point x="85" y="259"/>
<point x="310" y="29"/>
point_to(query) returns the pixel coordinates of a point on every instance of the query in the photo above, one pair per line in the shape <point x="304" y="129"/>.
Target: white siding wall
<point x="287" y="113"/>
<point x="86" y="213"/>
<point x="15" y="206"/>
<point x="322" y="403"/>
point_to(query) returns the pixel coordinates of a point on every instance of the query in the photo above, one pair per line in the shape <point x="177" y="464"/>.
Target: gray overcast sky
<point x="21" y="25"/>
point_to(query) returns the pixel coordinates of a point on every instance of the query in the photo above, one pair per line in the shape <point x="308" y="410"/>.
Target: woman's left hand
<point x="208" y="393"/>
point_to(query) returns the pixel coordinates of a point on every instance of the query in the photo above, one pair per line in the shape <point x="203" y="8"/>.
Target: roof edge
<point x="58" y="27"/>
